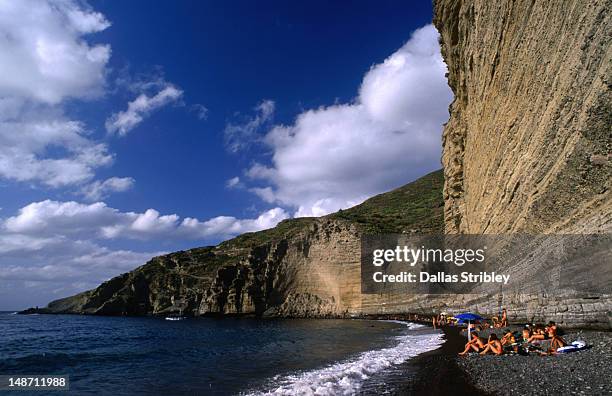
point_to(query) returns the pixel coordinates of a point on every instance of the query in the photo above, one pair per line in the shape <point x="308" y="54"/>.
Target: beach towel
<point x="573" y="347"/>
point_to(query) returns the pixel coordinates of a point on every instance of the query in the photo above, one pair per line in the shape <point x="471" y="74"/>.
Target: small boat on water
<point x="175" y="317"/>
<point x="178" y="316"/>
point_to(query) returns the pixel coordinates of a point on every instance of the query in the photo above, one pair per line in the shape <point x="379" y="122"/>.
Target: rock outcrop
<point x="306" y="267"/>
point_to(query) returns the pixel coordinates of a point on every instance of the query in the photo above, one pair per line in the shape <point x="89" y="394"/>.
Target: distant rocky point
<point x="304" y="267"/>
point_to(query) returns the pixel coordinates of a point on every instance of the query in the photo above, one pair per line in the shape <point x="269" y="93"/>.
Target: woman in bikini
<point x="556" y="341"/>
<point x="494" y="346"/>
<point x="475" y="343"/>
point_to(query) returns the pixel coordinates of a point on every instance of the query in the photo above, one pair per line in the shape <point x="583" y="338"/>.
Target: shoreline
<point x="438" y="372"/>
<point x="443" y="372"/>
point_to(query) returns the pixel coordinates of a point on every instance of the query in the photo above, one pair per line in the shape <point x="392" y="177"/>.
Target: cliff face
<point x="528" y="147"/>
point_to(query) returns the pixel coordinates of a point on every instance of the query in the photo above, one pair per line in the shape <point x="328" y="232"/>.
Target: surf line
<point x="441" y="277"/>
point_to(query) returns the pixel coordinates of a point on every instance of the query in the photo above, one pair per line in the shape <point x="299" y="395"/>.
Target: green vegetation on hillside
<point x="415" y="207"/>
<point x="284" y="229"/>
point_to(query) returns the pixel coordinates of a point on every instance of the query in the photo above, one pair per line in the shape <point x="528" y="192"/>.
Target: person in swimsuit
<point x="538" y="334"/>
<point x="504" y="318"/>
<point x="556" y="341"/>
<point x="493" y="346"/>
<point x="509" y="341"/>
<point x="475" y="343"/>
<point x="508" y="338"/>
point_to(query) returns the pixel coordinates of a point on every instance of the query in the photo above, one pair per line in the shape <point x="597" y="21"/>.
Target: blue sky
<point x="128" y="130"/>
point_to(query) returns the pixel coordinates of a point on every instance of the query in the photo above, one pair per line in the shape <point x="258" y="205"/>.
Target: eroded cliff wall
<point x="308" y="267"/>
<point x="528" y="147"/>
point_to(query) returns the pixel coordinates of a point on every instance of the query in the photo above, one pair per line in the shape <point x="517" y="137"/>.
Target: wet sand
<point x="438" y="373"/>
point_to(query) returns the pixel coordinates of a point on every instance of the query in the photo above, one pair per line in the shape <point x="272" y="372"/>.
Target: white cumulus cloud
<point x="47" y="59"/>
<point x="45" y="56"/>
<point x="56" y="248"/>
<point x="335" y="157"/>
<point x="98" y="221"/>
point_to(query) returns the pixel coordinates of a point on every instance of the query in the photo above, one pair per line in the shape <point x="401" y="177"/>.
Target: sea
<point x="229" y="356"/>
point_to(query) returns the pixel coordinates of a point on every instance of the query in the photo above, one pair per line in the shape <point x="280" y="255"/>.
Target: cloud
<point x="201" y="111"/>
<point x="239" y="136"/>
<point x="227" y="225"/>
<point x="47" y="219"/>
<point x="28" y="137"/>
<point x="36" y="270"/>
<point x="233" y="183"/>
<point x="44" y="53"/>
<point x="101" y="189"/>
<point x="56" y="248"/>
<point x="140" y="108"/>
<point x="335" y="157"/>
<point x="46" y="59"/>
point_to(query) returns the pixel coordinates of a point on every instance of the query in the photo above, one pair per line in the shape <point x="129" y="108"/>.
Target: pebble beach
<point x="587" y="372"/>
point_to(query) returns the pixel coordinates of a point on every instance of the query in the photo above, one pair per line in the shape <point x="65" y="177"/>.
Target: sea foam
<point x="347" y="377"/>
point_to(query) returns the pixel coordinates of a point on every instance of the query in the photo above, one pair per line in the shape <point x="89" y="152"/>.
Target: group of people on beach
<point x="497" y="322"/>
<point x="530" y="339"/>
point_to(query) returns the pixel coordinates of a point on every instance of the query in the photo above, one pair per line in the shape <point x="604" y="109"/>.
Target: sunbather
<point x="475" y="343"/>
<point x="508" y="338"/>
<point x="538" y="334"/>
<point x="556" y="341"/>
<point x="509" y="342"/>
<point x="558" y="331"/>
<point x="494" y="346"/>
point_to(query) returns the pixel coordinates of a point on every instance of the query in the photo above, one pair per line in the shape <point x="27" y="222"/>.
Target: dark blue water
<point x="126" y="356"/>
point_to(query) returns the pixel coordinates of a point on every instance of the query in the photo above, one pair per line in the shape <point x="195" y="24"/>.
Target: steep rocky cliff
<point x="528" y="147"/>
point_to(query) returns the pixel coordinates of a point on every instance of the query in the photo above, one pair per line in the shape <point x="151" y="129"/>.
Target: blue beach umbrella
<point x="469" y="317"/>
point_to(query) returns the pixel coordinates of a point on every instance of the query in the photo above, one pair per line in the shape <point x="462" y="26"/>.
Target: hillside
<point x="273" y="270"/>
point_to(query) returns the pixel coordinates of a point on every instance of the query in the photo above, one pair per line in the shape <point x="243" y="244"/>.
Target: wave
<point x="410" y="325"/>
<point x="347" y="377"/>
